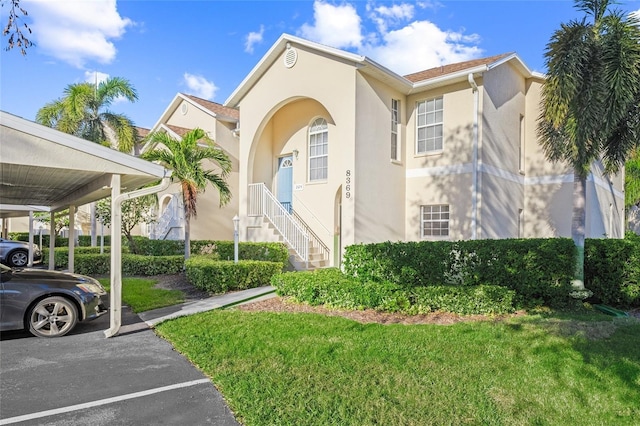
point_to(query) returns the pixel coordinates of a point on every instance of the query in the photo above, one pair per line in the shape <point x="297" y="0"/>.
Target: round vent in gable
<point x="184" y="108"/>
<point x="290" y="56"/>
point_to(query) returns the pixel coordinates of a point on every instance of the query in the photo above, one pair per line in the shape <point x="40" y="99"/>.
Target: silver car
<point x="16" y="253"/>
<point x="48" y="303"/>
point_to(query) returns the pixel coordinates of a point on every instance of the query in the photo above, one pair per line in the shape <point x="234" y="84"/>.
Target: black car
<point x="48" y="303"/>
<point x="16" y="253"/>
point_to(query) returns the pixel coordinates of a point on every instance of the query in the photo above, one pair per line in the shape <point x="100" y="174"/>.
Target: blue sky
<point x="207" y="47"/>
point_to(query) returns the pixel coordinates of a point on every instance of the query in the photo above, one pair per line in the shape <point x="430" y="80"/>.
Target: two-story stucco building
<point x="331" y="149"/>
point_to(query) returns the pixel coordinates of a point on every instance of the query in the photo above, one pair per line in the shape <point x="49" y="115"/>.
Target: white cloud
<point x="77" y="31"/>
<point x="402" y="46"/>
<point x="94" y="77"/>
<point x="200" y="86"/>
<point x="335" y="26"/>
<point x="252" y="39"/>
<point x="384" y="16"/>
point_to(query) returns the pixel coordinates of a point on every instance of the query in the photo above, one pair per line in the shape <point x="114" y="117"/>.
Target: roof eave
<point x="446" y="79"/>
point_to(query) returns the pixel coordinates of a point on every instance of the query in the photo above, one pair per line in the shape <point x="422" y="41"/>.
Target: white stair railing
<point x="263" y="203"/>
<point x="169" y="220"/>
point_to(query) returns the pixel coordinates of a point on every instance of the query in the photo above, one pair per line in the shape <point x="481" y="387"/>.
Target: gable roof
<point x="408" y="84"/>
<point x="218" y="109"/>
<point x="452" y="68"/>
<point x="215" y="110"/>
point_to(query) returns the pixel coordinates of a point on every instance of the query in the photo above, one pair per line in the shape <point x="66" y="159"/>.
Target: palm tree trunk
<point x="187" y="238"/>
<point x="578" y="223"/>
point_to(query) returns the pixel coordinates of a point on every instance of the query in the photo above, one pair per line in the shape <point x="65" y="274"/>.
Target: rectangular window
<point x="318" y="155"/>
<point x="521" y="142"/>
<point x="429" y="126"/>
<point x="395" y="120"/>
<point x="434" y="220"/>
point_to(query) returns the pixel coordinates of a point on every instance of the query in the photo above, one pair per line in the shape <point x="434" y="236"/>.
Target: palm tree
<point x="185" y="157"/>
<point x="84" y="112"/>
<point x="590" y="100"/>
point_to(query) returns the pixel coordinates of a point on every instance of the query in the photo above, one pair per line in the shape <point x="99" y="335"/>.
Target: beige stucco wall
<point x="275" y="116"/>
<point x="212" y="221"/>
<point x="444" y="177"/>
<point x="377" y="184"/>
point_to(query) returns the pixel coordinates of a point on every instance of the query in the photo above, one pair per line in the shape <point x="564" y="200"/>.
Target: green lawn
<point x="310" y="369"/>
<point x="139" y="294"/>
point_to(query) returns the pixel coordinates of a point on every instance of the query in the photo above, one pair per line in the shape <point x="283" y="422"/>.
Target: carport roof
<point x="42" y="169"/>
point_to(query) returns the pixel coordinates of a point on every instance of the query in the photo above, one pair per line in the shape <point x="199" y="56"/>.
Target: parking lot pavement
<point x="135" y="378"/>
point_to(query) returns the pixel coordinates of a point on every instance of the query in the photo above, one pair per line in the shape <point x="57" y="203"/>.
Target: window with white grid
<point x="318" y="150"/>
<point x="429" y="126"/>
<point x="395" y="120"/>
<point x="434" y="220"/>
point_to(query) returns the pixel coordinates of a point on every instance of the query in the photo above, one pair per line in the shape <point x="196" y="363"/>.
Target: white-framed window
<point x="318" y="150"/>
<point x="521" y="142"/>
<point x="429" y="126"/>
<point x="434" y="220"/>
<point x="395" y="122"/>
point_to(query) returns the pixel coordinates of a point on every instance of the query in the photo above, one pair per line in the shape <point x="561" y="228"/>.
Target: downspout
<point x="116" y="245"/>
<point x="474" y="173"/>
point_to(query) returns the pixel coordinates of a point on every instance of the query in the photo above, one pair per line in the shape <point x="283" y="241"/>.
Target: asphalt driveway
<point x="135" y="378"/>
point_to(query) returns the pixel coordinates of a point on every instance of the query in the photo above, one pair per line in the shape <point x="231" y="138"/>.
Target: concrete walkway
<point x="156" y="316"/>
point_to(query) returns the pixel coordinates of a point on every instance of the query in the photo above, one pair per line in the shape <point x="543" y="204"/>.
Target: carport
<point x="42" y="169"/>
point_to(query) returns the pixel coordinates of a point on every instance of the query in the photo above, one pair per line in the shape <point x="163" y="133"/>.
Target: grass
<point x="310" y="369"/>
<point x="139" y="294"/>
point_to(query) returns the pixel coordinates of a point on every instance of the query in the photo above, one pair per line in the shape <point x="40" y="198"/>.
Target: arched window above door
<point x="318" y="150"/>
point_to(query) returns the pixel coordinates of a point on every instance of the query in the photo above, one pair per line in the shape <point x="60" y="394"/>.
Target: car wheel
<point x="52" y="317"/>
<point x="19" y="258"/>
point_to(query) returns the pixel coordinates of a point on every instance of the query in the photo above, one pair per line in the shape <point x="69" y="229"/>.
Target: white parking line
<point x="105" y="401"/>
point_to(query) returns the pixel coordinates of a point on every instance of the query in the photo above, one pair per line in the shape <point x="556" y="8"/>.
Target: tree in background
<point x="632" y="181"/>
<point x="134" y="212"/>
<point x="83" y="111"/>
<point x="185" y="158"/>
<point x="14" y="29"/>
<point x="591" y="100"/>
<point x="60" y="219"/>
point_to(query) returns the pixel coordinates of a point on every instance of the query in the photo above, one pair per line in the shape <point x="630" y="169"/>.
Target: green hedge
<point x="332" y="288"/>
<point x="61" y="255"/>
<point x="83" y="240"/>
<point x="538" y="270"/>
<point x="132" y="265"/>
<point x="612" y="271"/>
<point x="219" y="276"/>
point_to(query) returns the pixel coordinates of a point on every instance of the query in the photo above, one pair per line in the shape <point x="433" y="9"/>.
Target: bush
<point x="132" y="264"/>
<point x="538" y="270"/>
<point x="482" y="299"/>
<point x="219" y="276"/>
<point x="612" y="271"/>
<point x="332" y="288"/>
<point x="61" y="255"/>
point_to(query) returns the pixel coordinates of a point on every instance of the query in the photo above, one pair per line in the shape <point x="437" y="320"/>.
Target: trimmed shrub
<point x="61" y="255"/>
<point x="538" y="270"/>
<point x="481" y="299"/>
<point x="132" y="264"/>
<point x="612" y="271"/>
<point x="332" y="288"/>
<point x="219" y="276"/>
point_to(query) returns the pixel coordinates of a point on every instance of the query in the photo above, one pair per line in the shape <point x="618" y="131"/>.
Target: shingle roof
<point x="451" y="68"/>
<point x="142" y="132"/>
<point x="215" y="107"/>
<point x="180" y="131"/>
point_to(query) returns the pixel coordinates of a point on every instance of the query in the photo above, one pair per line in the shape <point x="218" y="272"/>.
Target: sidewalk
<point x="156" y="316"/>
